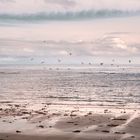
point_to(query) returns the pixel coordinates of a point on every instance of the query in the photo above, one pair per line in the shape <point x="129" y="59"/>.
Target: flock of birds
<point x="82" y="63"/>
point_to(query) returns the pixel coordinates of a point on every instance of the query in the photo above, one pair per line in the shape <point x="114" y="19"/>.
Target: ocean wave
<point x="70" y="15"/>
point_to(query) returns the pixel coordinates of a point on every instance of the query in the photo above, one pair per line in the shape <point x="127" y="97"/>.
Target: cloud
<point x="40" y="10"/>
<point x="7" y="1"/>
<point x="16" y="48"/>
<point x="115" y="46"/>
<point x="105" y="46"/>
<point x="7" y="59"/>
<point x="79" y="15"/>
<point x="64" y="3"/>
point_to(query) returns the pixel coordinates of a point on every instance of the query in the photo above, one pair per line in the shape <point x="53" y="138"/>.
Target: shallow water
<point x="70" y="84"/>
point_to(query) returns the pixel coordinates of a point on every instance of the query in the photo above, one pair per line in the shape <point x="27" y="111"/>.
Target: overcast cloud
<point x="56" y="28"/>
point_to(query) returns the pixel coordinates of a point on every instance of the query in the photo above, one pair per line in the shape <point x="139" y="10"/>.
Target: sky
<point x="72" y="31"/>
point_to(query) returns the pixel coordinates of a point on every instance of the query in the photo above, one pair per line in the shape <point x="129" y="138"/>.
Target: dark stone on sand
<point x="41" y="126"/>
<point x="76" y="131"/>
<point x="73" y="115"/>
<point x="90" y="113"/>
<point x="38" y="112"/>
<point x="75" y="124"/>
<point x="106" y="110"/>
<point x="56" y="114"/>
<point x="18" y="131"/>
<point x="70" y="122"/>
<point x="17" y="105"/>
<point x="105" y="131"/>
<point x="112" y="125"/>
<point x="120" y="119"/>
<point x="24" y="112"/>
<point x="25" y="118"/>
<point x="120" y="132"/>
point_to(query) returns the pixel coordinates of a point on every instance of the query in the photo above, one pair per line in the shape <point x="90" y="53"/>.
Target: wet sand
<point x="73" y="122"/>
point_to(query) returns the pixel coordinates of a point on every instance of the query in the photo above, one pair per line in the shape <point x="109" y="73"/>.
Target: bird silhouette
<point x="101" y="64"/>
<point x="42" y="62"/>
<point x="59" y="60"/>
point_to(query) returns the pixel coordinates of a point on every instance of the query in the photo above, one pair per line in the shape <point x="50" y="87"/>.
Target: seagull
<point x="113" y="60"/>
<point x="42" y="62"/>
<point x="59" y="60"/>
<point x="101" y="64"/>
<point x="44" y="41"/>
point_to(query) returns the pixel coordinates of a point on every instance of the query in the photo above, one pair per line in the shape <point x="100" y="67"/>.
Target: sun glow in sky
<point x="71" y="30"/>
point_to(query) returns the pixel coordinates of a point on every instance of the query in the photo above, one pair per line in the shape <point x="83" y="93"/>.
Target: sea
<point x="71" y="84"/>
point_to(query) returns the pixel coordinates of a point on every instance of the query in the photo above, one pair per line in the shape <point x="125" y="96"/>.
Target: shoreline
<point x="54" y="122"/>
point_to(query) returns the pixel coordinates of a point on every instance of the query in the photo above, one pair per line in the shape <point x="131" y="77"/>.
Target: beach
<point x="60" y="104"/>
<point x="69" y="69"/>
<point x="59" y="122"/>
